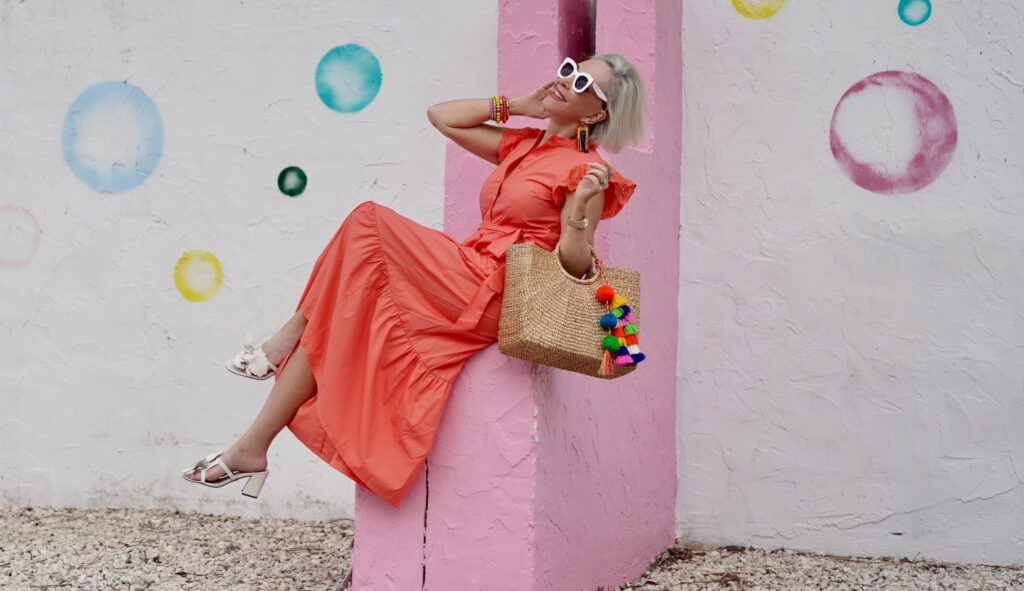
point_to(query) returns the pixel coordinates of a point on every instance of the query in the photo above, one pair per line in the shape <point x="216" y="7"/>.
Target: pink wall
<point x="609" y="482"/>
<point x="542" y="479"/>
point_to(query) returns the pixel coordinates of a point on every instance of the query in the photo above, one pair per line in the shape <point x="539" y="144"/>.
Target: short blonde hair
<point x="627" y="102"/>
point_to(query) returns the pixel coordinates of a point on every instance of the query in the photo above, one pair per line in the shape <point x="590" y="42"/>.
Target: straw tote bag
<point x="552" y="318"/>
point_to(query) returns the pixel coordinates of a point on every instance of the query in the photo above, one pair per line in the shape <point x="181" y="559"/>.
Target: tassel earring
<point x="583" y="137"/>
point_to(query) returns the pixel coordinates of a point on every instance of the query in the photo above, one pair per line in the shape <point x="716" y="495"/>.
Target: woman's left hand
<point x="594" y="182"/>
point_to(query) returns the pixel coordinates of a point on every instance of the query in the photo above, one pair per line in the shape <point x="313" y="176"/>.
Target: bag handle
<point x="589" y="280"/>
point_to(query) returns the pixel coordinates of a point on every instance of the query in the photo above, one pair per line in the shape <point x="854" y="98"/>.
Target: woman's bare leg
<point x="281" y="344"/>
<point x="295" y="385"/>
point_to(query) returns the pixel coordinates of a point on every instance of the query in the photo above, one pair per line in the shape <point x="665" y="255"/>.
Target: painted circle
<point x="348" y="77"/>
<point x="758" y="9"/>
<point x="915" y="12"/>
<point x="198" y="275"/>
<point x="883" y="152"/>
<point x="292" y="181"/>
<point x="113" y="137"/>
<point x="19" y="236"/>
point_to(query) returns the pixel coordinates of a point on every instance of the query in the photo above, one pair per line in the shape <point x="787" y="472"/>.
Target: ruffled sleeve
<point x="512" y="137"/>
<point x="619" y="190"/>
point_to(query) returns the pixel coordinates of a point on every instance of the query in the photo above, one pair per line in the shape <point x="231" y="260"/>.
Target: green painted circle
<point x="292" y="181"/>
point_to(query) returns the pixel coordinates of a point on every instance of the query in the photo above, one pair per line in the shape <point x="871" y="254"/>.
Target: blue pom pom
<point x="609" y="321"/>
<point x="639" y="357"/>
<point x="623" y="351"/>
<point x="625" y="310"/>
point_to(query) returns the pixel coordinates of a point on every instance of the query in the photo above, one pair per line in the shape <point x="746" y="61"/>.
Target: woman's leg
<point x="281" y="344"/>
<point x="295" y="385"/>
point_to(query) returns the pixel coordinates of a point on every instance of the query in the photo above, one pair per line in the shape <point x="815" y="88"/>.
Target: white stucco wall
<point x="110" y="380"/>
<point x="851" y="362"/>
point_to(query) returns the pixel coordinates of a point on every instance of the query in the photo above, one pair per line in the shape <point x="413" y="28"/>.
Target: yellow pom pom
<point x="619" y="301"/>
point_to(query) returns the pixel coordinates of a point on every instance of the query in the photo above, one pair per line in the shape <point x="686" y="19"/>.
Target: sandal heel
<point x="253" y="487"/>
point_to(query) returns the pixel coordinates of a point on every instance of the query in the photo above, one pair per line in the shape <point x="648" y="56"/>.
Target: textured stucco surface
<point x="851" y="363"/>
<point x="111" y="380"/>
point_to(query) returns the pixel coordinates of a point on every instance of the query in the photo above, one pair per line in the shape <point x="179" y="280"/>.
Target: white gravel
<point x="130" y="549"/>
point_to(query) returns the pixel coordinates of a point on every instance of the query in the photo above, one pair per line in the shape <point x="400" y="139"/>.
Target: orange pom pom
<point x="605" y="293"/>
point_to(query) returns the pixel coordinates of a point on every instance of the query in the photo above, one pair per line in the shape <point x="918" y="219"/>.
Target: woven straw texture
<point x="552" y="318"/>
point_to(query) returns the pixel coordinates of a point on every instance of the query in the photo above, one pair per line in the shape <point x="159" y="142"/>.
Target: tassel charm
<point x="583" y="137"/>
<point x="621" y="344"/>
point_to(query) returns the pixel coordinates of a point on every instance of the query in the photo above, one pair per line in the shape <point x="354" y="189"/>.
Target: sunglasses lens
<point x="566" y="70"/>
<point x="581" y="82"/>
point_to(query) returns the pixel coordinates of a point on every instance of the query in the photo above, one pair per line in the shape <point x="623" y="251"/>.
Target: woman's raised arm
<point x="465" y="120"/>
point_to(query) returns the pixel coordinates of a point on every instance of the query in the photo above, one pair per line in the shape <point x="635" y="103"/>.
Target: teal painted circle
<point x="292" y="181"/>
<point x="915" y="12"/>
<point x="348" y="78"/>
<point x="113" y="137"/>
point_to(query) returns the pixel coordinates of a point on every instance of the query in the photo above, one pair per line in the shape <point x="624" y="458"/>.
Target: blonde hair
<point x="627" y="101"/>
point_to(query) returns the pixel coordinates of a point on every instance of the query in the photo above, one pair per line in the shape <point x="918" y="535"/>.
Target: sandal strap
<point x="259" y="356"/>
<point x="210" y="461"/>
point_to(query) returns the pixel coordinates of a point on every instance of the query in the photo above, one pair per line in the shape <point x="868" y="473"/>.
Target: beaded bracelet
<point x="499" y="108"/>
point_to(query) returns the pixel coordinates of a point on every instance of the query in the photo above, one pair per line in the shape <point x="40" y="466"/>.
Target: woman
<point x="393" y="310"/>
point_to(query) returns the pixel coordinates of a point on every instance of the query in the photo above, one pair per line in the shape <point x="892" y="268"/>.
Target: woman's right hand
<point x="531" y="104"/>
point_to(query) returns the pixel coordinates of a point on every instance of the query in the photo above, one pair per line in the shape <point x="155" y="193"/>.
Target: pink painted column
<point x="541" y="479"/>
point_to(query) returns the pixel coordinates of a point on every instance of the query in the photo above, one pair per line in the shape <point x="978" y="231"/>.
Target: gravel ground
<point x="157" y="550"/>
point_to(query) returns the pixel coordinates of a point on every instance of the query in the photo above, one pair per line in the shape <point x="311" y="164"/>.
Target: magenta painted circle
<point x="21" y="227"/>
<point x="935" y="127"/>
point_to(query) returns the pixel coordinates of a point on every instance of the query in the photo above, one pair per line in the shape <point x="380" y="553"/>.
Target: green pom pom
<point x="631" y="328"/>
<point x="611" y="343"/>
<point x="617" y="312"/>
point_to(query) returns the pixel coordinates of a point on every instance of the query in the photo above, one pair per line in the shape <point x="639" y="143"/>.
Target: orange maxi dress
<point x="395" y="309"/>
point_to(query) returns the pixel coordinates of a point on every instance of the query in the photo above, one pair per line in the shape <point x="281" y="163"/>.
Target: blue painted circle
<point x="113" y="137"/>
<point x="915" y="12"/>
<point x="348" y="78"/>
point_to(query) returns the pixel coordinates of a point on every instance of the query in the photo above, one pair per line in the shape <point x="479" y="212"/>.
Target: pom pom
<point x="631" y="349"/>
<point x="623" y="351"/>
<point x="631" y="329"/>
<point x="638" y="357"/>
<point x="618" y="301"/>
<point x="622" y="343"/>
<point x="626" y="311"/>
<point x="611" y="343"/>
<point x="605" y="293"/>
<point x="628" y="317"/>
<point x="624" y="360"/>
<point x="619" y="331"/>
<point x="617" y="312"/>
<point x="632" y="339"/>
<point x="609" y="321"/>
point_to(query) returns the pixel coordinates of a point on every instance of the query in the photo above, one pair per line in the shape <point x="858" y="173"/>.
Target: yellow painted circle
<point x="198" y="275"/>
<point x="758" y="8"/>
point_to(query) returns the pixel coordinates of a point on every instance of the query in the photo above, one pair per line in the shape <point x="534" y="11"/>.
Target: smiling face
<point x="565" y="104"/>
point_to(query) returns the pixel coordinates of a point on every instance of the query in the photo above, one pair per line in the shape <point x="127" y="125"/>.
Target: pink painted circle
<point x="933" y="129"/>
<point x="19" y="236"/>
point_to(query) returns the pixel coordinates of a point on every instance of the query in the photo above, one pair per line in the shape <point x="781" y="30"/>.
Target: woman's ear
<point x="595" y="118"/>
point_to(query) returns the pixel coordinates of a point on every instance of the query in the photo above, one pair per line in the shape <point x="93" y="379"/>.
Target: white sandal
<point x="251" y="362"/>
<point x="251" y="488"/>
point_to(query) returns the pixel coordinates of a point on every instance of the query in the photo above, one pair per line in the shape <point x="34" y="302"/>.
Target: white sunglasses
<point x="581" y="81"/>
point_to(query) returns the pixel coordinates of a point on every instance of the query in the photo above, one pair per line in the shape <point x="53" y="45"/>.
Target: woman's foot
<point x="277" y="347"/>
<point x="281" y="344"/>
<point x="261" y="363"/>
<point x="238" y="459"/>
